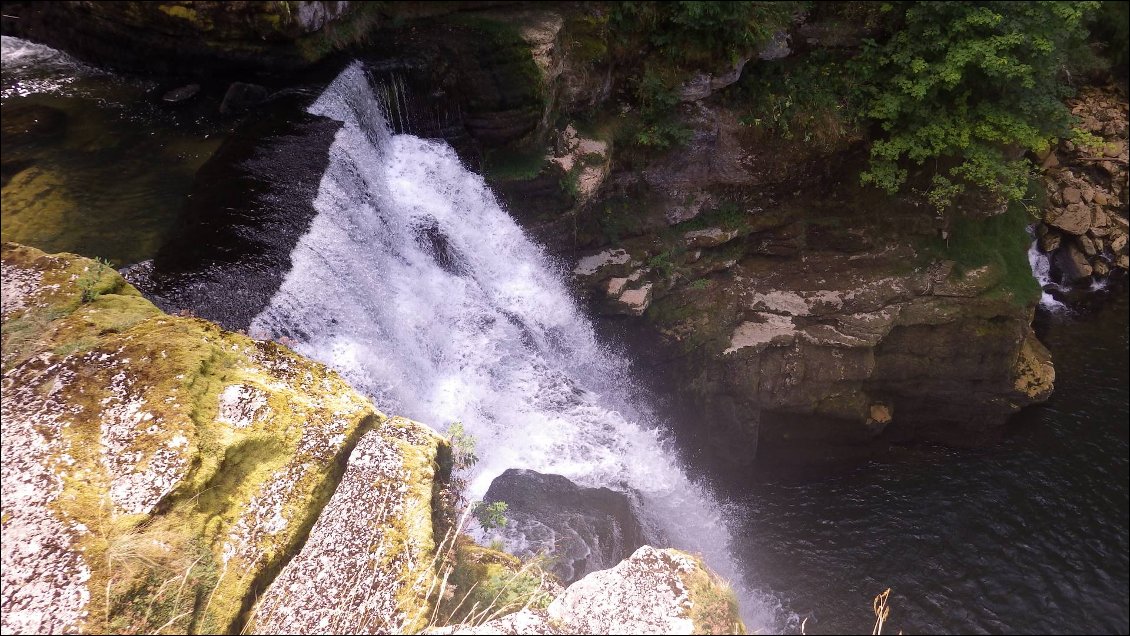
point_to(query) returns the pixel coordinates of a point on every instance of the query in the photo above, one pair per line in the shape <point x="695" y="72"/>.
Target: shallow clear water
<point x="1029" y="536"/>
<point x="92" y="164"/>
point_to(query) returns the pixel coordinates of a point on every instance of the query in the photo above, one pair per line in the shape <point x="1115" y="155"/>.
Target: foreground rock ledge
<point x="652" y="592"/>
<point x="158" y="471"/>
<point x="162" y="474"/>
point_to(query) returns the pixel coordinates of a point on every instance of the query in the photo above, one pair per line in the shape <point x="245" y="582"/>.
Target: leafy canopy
<point x="972" y="84"/>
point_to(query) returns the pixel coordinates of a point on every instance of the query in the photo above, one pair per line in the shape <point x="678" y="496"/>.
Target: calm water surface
<point x="1029" y="536"/>
<point x="93" y="163"/>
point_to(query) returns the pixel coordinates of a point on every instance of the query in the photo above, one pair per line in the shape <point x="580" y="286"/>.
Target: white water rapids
<point x="418" y="287"/>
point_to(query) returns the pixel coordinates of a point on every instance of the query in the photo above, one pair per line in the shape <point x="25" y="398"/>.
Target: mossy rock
<point x="652" y="592"/>
<point x="159" y="470"/>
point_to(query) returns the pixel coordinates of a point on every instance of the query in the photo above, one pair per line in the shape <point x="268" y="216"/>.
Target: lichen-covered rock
<point x="158" y="471"/>
<point x="600" y="266"/>
<point x="527" y="621"/>
<point x="584" y="161"/>
<point x="652" y="592"/>
<point x="710" y="237"/>
<point x="703" y="85"/>
<point x="367" y="564"/>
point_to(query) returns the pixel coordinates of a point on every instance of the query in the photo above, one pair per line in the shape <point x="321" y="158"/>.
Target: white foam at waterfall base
<point x="417" y="286"/>
<point x="30" y="68"/>
<point x="1041" y="270"/>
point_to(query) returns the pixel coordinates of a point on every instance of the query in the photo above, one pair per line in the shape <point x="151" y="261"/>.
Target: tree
<point x="969" y="85"/>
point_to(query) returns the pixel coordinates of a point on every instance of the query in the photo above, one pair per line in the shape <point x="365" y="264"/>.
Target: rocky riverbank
<point x="1084" y="228"/>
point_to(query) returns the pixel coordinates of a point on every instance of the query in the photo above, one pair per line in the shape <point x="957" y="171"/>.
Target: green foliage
<point x="658" y="126"/>
<point x="491" y="515"/>
<point x="89" y="283"/>
<point x="968" y="83"/>
<point x="570" y="183"/>
<point x="462" y="447"/>
<point x="666" y="42"/>
<point x="690" y="33"/>
<point x="510" y="165"/>
<point x="1000" y="241"/>
<point x="619" y="217"/>
<point x="667" y="261"/>
<point x="809" y="98"/>
<point x="488" y="583"/>
<point x="1110" y="27"/>
<point x="728" y="216"/>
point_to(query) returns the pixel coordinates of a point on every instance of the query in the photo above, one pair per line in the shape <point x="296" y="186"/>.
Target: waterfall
<point x="417" y="286"/>
<point x="31" y="68"/>
<point x="1041" y="270"/>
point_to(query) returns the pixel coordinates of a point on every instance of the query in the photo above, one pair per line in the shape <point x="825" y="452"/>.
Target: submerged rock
<point x="241" y="97"/>
<point x="580" y="529"/>
<point x="182" y="94"/>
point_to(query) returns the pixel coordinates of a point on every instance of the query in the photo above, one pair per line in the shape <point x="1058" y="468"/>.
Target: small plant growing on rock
<point x="462" y="447"/>
<point x="491" y="515"/>
<point x="88" y="282"/>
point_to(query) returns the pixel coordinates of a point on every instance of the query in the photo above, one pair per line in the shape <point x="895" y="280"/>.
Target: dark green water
<point x="93" y="163"/>
<point x="1029" y="536"/>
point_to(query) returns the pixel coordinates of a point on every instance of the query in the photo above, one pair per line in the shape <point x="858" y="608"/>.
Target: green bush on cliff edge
<point x="970" y="85"/>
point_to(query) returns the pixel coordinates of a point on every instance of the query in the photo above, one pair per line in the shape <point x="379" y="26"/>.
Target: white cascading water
<point x="418" y="287"/>
<point x="1041" y="265"/>
<point x="31" y="68"/>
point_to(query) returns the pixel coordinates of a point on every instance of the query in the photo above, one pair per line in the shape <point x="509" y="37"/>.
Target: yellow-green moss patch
<point x="175" y="467"/>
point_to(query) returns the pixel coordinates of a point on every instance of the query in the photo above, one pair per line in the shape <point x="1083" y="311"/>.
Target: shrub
<point x="970" y="84"/>
<point x="702" y="33"/>
<point x="491" y="515"/>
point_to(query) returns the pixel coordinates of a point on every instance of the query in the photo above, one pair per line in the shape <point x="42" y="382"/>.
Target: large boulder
<point x="367" y="565"/>
<point x="159" y="471"/>
<point x="652" y="592"/>
<point x="581" y="529"/>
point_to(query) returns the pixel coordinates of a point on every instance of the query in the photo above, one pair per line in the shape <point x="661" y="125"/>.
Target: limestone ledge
<point x="159" y="471"/>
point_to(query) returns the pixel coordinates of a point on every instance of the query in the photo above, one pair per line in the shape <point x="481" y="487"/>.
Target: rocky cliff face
<point x="796" y="313"/>
<point x="1084" y="229"/>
